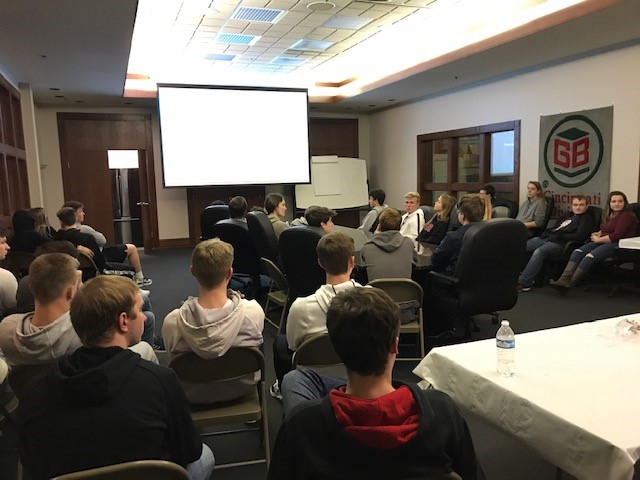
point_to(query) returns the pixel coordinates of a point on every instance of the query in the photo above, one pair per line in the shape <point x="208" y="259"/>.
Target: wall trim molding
<point x="175" y="243"/>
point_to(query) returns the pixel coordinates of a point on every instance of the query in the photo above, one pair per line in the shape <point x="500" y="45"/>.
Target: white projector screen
<point x="233" y="135"/>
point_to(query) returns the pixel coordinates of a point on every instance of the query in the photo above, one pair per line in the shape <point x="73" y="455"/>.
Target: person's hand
<point x="87" y="251"/>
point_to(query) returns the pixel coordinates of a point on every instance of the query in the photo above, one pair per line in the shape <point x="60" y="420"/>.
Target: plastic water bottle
<point x="506" y="347"/>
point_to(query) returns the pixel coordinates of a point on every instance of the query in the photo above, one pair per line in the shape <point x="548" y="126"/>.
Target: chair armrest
<point x="448" y="279"/>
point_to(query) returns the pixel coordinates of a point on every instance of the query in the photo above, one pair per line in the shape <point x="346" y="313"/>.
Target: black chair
<point x="246" y="260"/>
<point x="536" y="231"/>
<point x="300" y="261"/>
<point x="209" y="217"/>
<point x="486" y="276"/>
<point x="263" y="236"/>
<point x="504" y="208"/>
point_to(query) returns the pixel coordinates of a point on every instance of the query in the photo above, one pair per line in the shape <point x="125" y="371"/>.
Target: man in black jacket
<point x="104" y="404"/>
<point x="371" y="428"/>
<point x="576" y="225"/>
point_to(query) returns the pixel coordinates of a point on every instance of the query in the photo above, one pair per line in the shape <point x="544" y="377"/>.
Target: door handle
<point x="142" y="203"/>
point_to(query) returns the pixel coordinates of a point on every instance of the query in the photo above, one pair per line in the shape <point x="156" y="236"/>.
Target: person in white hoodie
<point x="47" y="333"/>
<point x="218" y="319"/>
<point x="308" y="315"/>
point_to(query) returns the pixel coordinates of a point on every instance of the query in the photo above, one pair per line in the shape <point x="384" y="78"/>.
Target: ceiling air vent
<point x="288" y="61"/>
<point x="236" y="39"/>
<point x="346" y="23"/>
<point x="255" y="14"/>
<point x="220" y="57"/>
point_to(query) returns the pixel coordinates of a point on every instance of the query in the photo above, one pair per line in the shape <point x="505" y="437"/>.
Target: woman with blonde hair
<point x="436" y="228"/>
<point x="43" y="227"/>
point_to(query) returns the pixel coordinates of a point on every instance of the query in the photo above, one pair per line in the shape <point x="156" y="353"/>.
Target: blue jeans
<point x="201" y="469"/>
<point x="591" y="253"/>
<point x="300" y="386"/>
<point x="150" y="322"/>
<point x="542" y="249"/>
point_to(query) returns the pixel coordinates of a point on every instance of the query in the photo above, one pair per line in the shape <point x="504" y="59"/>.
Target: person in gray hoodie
<point x="47" y="333"/>
<point x="389" y="254"/>
<point x="215" y="321"/>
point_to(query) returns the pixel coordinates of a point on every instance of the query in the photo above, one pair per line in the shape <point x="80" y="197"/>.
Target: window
<point x="460" y="161"/>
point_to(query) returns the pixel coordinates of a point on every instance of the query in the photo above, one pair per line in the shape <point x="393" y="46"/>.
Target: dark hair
<point x="272" y="201"/>
<point x="57" y="246"/>
<point x="363" y="324"/>
<point x="67" y="216"/>
<point x="472" y="207"/>
<point x="316" y="215"/>
<point x="23" y="221"/>
<point x="237" y="207"/>
<point x="334" y="251"/>
<point x="378" y="194"/>
<point x="538" y="186"/>
<point x="4" y="231"/>
<point x="607" y="210"/>
<point x="579" y="197"/>
<point x="98" y="304"/>
<point x="390" y="219"/>
<point x="76" y="205"/>
<point x="489" y="190"/>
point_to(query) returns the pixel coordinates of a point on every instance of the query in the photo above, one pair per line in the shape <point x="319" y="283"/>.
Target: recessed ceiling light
<point x="321" y="6"/>
<point x="310" y="45"/>
<point x="343" y="22"/>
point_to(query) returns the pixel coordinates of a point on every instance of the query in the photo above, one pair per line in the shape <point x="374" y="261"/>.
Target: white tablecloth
<point x="575" y="396"/>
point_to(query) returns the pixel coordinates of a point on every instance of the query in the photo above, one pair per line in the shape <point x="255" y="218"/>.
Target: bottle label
<point x="503" y="343"/>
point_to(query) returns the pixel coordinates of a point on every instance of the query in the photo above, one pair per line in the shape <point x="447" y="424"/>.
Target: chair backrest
<point x="399" y="289"/>
<point x="88" y="266"/>
<point x="547" y="216"/>
<point x="245" y="256"/>
<point x="428" y="211"/>
<point x="596" y="213"/>
<point x="275" y="274"/>
<point x="316" y="351"/>
<point x="262" y="235"/>
<point x="19" y="262"/>
<point x="209" y="217"/>
<point x="236" y="363"/>
<point x="454" y="222"/>
<point x="635" y="208"/>
<point x="20" y="375"/>
<point x="489" y="265"/>
<point x="300" y="261"/>
<point x="504" y="203"/>
<point x="500" y="211"/>
<point x="148" y="469"/>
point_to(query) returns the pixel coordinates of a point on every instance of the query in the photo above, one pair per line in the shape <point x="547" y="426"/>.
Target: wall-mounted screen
<point x="233" y="135"/>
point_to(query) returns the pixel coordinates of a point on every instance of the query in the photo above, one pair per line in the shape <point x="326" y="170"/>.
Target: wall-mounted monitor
<point x="219" y="135"/>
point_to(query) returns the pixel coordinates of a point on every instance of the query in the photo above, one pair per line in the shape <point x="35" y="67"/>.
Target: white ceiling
<point x="82" y="47"/>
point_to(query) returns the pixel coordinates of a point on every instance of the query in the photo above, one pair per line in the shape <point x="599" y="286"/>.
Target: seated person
<point x="388" y="254"/>
<point x="25" y="238"/>
<point x="84" y="242"/>
<point x="445" y="257"/>
<point x="103" y="402"/>
<point x="215" y="321"/>
<point x="237" y="212"/>
<point x="436" y="228"/>
<point x="321" y="218"/>
<point x="276" y="208"/>
<point x="43" y="227"/>
<point x="307" y="315"/>
<point x="372" y="427"/>
<point x="46" y="333"/>
<point x="8" y="282"/>
<point x="488" y="189"/>
<point x="618" y="222"/>
<point x="533" y="209"/>
<point x="413" y="220"/>
<point x="377" y="205"/>
<point x="575" y="225"/>
<point x="113" y="253"/>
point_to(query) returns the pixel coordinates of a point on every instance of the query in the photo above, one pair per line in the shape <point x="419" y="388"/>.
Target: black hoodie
<point x="101" y="406"/>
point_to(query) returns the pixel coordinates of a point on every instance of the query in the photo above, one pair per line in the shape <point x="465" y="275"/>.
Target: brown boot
<point x="565" y="278"/>
<point x="577" y="277"/>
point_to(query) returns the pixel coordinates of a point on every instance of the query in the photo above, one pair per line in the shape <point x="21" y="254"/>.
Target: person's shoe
<point x="522" y="288"/>
<point x="561" y="287"/>
<point x="144" y="282"/>
<point x="274" y="391"/>
<point x="146" y="293"/>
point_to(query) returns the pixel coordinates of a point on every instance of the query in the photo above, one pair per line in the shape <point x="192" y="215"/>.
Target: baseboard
<point x="174" y="243"/>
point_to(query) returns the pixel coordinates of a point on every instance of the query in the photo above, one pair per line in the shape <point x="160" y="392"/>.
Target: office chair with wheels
<point x="209" y="217"/>
<point x="300" y="261"/>
<point x="504" y="208"/>
<point x="263" y="236"/>
<point x="547" y="216"/>
<point x="236" y="363"/>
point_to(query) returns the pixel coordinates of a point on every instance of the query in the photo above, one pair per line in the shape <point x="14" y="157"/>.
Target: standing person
<point x="618" y="222"/>
<point x="8" y="282"/>
<point x="533" y="209"/>
<point x="576" y="225"/>
<point x="113" y="253"/>
<point x="377" y="205"/>
<point x="388" y="254"/>
<point x="413" y="220"/>
<point x="436" y="228"/>
<point x="214" y="321"/>
<point x="276" y="208"/>
<point x="372" y="427"/>
<point x="104" y="403"/>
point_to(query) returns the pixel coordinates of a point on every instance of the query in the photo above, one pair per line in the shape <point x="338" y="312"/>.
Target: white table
<point x="575" y="396"/>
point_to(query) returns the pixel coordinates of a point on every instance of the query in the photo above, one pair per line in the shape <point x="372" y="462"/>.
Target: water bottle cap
<point x="505" y="323"/>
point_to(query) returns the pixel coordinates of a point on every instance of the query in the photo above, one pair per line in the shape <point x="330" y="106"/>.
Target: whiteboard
<point x="336" y="182"/>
